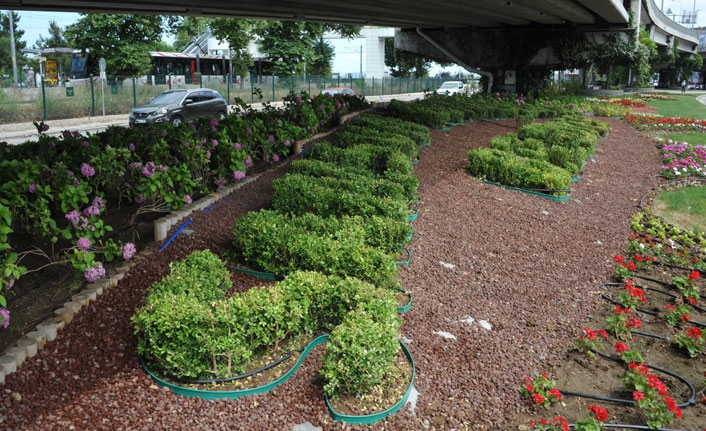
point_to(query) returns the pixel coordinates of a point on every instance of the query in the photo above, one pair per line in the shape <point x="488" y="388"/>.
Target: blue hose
<point x="174" y="235"/>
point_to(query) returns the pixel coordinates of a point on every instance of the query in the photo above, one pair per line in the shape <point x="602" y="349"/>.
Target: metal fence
<point x="93" y="96"/>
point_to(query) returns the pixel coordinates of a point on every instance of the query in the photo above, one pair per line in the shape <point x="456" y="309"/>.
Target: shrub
<point x="383" y="233"/>
<point x="355" y="135"/>
<point x="511" y="170"/>
<point x="416" y="132"/>
<point x="364" y="156"/>
<point x="273" y="244"/>
<point x="419" y="114"/>
<point x="361" y="350"/>
<point x="185" y="336"/>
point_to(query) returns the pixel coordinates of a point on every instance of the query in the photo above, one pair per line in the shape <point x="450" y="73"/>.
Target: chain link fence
<point x="117" y="95"/>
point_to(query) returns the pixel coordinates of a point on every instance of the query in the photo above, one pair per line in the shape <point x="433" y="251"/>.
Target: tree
<point x="56" y="38"/>
<point x="5" y="52"/>
<point x="186" y="29"/>
<point x="320" y="63"/>
<point x="404" y="64"/>
<point x="123" y="40"/>
<point x="295" y="45"/>
<point x="237" y="33"/>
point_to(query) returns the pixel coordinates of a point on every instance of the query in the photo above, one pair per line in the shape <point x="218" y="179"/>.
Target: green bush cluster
<point x="416" y="132"/>
<point x="516" y="171"/>
<point x="354" y="135"/>
<point x="533" y="155"/>
<point x="188" y="333"/>
<point x="436" y="110"/>
<point x="282" y="244"/>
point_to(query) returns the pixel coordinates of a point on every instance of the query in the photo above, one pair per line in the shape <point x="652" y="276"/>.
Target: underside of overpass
<point x="480" y="35"/>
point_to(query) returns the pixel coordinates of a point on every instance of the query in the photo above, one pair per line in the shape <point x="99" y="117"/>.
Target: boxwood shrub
<point x="371" y="157"/>
<point x="516" y="171"/>
<point x="416" y="132"/>
<point x="297" y="194"/>
<point x="355" y="135"/>
<point x="385" y="234"/>
<point x="427" y="116"/>
<point x="273" y="245"/>
<point x="182" y="334"/>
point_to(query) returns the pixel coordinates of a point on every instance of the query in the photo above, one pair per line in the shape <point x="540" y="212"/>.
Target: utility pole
<point x="361" y="61"/>
<point x="12" y="48"/>
<point x="693" y="16"/>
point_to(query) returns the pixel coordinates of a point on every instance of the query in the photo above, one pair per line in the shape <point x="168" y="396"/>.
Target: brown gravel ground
<point x="526" y="265"/>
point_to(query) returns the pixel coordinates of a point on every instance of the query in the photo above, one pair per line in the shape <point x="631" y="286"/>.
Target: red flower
<point x="690" y="300"/>
<point x="544" y="375"/>
<point x="694" y="275"/>
<point x="634" y="323"/>
<point x="694" y="333"/>
<point x="669" y="307"/>
<point x="638" y="396"/>
<point x="529" y="388"/>
<point x="620" y="347"/>
<point x="538" y="398"/>
<point x="560" y="420"/>
<point x="685" y="317"/>
<point x="619" y="259"/>
<point x="631" y="266"/>
<point x="637" y="257"/>
<point x="554" y="393"/>
<point x="599" y="412"/>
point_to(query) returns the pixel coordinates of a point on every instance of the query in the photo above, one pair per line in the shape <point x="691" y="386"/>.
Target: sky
<point x="347" y="58"/>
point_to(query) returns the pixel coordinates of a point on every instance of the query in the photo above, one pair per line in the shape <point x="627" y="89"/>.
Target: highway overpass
<point x="472" y="33"/>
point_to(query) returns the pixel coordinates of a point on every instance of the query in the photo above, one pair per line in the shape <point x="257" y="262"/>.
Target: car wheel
<point x="176" y="120"/>
<point x="221" y="115"/>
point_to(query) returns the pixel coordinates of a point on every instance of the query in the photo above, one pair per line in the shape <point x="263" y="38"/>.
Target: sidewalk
<point x="16" y="133"/>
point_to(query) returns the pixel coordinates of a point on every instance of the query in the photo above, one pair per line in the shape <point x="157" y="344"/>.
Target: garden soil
<point x="528" y="266"/>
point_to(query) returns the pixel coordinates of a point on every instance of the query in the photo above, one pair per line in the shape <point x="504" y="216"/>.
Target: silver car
<point x="178" y="106"/>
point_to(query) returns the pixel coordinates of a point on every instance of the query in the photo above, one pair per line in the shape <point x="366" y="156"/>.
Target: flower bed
<point x="658" y="122"/>
<point x="681" y="159"/>
<point x="658" y="304"/>
<point x="58" y="190"/>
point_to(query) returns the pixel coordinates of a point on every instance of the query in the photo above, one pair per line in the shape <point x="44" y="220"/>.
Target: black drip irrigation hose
<point x="642" y="310"/>
<point x="687" y="403"/>
<point x="499" y="124"/>
<point x="36" y="285"/>
<point x="229" y="379"/>
<point x="685" y="268"/>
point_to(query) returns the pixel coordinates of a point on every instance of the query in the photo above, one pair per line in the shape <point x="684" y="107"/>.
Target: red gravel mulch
<point x="526" y="265"/>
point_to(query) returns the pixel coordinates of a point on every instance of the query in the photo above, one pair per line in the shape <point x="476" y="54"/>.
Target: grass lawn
<point x="692" y="138"/>
<point x="683" y="106"/>
<point x="684" y="207"/>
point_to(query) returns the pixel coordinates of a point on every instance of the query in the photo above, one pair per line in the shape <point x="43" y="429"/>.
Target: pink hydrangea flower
<point x="5" y="315"/>
<point x="87" y="170"/>
<point x="128" y="250"/>
<point x="83" y="244"/>
<point x="275" y="158"/>
<point x="188" y="200"/>
<point x="238" y="175"/>
<point x="287" y="143"/>
<point x="32" y="188"/>
<point x="94" y="273"/>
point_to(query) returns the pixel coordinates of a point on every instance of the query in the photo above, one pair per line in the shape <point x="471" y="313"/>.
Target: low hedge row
<point x="429" y="116"/>
<point x="189" y="333"/>
<point x="516" y="171"/>
<point x="414" y="131"/>
<point x="297" y="194"/>
<point x="251" y="233"/>
<point x="365" y="156"/>
<point x="355" y="135"/>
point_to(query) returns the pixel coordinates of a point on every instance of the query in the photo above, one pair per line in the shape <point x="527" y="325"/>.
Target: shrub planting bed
<point x="540" y="157"/>
<point x="485" y="270"/>
<point x="58" y="194"/>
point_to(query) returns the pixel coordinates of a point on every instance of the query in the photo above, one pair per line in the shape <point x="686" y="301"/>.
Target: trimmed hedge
<point x="516" y="171"/>
<point x="364" y="156"/>
<point x="427" y="116"/>
<point x="355" y="135"/>
<point x="298" y="194"/>
<point x="414" y="131"/>
<point x="382" y="233"/>
<point x="190" y="337"/>
<point x="281" y="248"/>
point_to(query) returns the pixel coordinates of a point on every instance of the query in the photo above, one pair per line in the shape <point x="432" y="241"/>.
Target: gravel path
<point x="526" y="266"/>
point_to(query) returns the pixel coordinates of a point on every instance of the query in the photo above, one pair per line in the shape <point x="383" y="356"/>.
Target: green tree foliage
<point x="405" y="64"/>
<point x="237" y="33"/>
<point x="320" y="63"/>
<point x="186" y="29"/>
<point x="55" y="39"/>
<point x="123" y="40"/>
<point x="295" y="45"/>
<point x="5" y="53"/>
